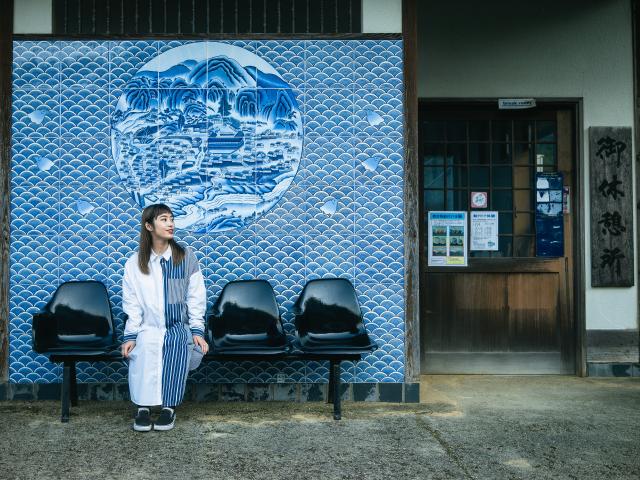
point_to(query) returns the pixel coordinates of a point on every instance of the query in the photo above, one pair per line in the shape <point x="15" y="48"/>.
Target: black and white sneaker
<point x="142" y="422"/>
<point x="166" y="420"/>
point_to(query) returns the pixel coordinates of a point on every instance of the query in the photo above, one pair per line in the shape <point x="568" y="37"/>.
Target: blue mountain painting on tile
<point x="211" y="130"/>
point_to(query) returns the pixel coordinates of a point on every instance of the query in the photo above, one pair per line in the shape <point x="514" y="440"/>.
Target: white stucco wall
<point x="32" y="16"/>
<point x="546" y="48"/>
<point x="381" y="16"/>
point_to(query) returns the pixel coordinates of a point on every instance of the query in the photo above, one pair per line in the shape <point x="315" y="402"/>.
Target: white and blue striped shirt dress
<point x="165" y="308"/>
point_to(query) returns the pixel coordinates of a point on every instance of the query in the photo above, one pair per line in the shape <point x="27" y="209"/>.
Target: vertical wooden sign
<point x="611" y="195"/>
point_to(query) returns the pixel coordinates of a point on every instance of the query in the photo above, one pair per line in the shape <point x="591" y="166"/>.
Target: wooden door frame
<point x="412" y="197"/>
<point x="577" y="200"/>
<point x="635" y="29"/>
<point x="6" y="61"/>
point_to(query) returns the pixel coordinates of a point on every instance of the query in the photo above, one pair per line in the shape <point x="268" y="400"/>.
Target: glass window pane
<point x="523" y="131"/>
<point x="523" y="154"/>
<point x="497" y="156"/>
<point x="479" y="177"/>
<point x="523" y="177"/>
<point x="546" y="131"/>
<point x="524" y="224"/>
<point x="524" y="200"/>
<point x="505" y="222"/>
<point x="433" y="200"/>
<point x="434" y="154"/>
<point x="479" y="130"/>
<point x="546" y="154"/>
<point x="434" y="131"/>
<point x="456" y="177"/>
<point x="501" y="131"/>
<point x="501" y="153"/>
<point x="502" y="177"/>
<point x="479" y="153"/>
<point x="524" y="247"/>
<point x="457" y="199"/>
<point x="457" y="131"/>
<point x="457" y="153"/>
<point x="433" y="177"/>
<point x="505" y="245"/>
<point x="502" y="200"/>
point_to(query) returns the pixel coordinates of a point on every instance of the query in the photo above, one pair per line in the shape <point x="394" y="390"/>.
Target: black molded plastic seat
<point x="328" y="318"/>
<point x="76" y="321"/>
<point x="246" y="320"/>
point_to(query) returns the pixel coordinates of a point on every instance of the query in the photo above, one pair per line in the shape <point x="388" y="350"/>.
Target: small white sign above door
<point x="516" y="103"/>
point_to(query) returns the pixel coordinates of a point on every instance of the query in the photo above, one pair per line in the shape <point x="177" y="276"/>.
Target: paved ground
<point x="468" y="427"/>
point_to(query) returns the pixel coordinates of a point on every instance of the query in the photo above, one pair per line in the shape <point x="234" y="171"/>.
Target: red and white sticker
<point x="479" y="200"/>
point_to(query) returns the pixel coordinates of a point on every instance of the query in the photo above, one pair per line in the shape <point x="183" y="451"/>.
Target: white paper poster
<point x="484" y="231"/>
<point x="447" y="239"/>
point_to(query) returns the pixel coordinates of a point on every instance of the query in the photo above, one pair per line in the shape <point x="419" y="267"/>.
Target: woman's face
<point x="162" y="227"/>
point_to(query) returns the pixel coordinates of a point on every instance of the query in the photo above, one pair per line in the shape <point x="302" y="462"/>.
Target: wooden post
<point x="411" y="195"/>
<point x="635" y="22"/>
<point x="6" y="58"/>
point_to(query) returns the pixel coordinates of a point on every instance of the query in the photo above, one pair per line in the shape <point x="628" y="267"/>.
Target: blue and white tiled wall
<point x="72" y="216"/>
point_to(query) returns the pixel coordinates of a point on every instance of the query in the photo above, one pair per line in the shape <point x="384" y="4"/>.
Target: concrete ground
<point x="478" y="427"/>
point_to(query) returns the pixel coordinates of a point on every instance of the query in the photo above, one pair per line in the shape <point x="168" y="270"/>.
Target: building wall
<point x="75" y="213"/>
<point x="574" y="48"/>
<point x="32" y="16"/>
<point x="378" y="16"/>
<point x="381" y="16"/>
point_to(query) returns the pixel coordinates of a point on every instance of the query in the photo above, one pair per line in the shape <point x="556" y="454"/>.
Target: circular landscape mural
<point x="211" y="130"/>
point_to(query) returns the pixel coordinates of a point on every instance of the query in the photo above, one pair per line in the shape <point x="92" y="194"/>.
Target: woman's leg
<point x="175" y="365"/>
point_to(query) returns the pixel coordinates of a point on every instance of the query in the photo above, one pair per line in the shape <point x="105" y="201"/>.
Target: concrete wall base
<point x="613" y="369"/>
<point x="226" y="392"/>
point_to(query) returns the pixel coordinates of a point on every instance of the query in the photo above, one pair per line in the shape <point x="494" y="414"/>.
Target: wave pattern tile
<point x="282" y="159"/>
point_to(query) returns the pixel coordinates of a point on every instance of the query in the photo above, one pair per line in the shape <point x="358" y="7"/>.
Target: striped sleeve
<point x="192" y="264"/>
<point x="196" y="295"/>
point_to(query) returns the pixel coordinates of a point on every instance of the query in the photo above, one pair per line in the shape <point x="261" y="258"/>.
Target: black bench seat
<point x="245" y="324"/>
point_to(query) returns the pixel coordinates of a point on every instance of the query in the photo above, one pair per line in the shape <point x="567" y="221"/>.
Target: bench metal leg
<point x="66" y="387"/>
<point x="337" y="410"/>
<point x="74" y="385"/>
<point x="330" y="392"/>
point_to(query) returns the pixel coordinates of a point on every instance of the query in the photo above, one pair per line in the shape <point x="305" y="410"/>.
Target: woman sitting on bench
<point x="164" y="296"/>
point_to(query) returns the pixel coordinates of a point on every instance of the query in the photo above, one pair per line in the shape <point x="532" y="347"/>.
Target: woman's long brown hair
<point x="149" y="214"/>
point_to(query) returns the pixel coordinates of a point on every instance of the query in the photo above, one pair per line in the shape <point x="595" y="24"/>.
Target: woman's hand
<point x="127" y="347"/>
<point x="201" y="342"/>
